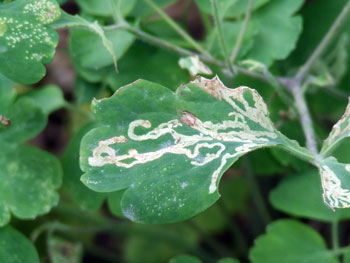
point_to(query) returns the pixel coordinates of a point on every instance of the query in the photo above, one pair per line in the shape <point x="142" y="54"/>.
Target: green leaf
<point x="26" y="121"/>
<point x="94" y="37"/>
<point x="63" y="251"/>
<point x="278" y="30"/>
<point x="49" y="98"/>
<point x="15" y="247"/>
<point x="80" y="194"/>
<point x="104" y="8"/>
<point x="231" y="31"/>
<point x="301" y="195"/>
<point x="86" y="47"/>
<point x="230" y="8"/>
<point x="340" y="131"/>
<point x="26" y="41"/>
<point x="290" y="241"/>
<point x="132" y="67"/>
<point x="28" y="180"/>
<point x="170" y="150"/>
<point x="185" y="259"/>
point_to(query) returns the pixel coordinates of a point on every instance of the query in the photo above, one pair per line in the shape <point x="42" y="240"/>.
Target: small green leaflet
<point x="195" y="66"/>
<point x="169" y="150"/>
<point x="340" y="131"/>
<point x="26" y="41"/>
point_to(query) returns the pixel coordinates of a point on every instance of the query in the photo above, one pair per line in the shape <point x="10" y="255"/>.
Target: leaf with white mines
<point x="26" y="41"/>
<point x="340" y="131"/>
<point x="169" y="150"/>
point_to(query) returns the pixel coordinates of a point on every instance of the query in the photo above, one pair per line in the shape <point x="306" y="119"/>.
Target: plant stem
<point x="324" y="43"/>
<point x="177" y="28"/>
<point x="335" y="235"/>
<point x="218" y="24"/>
<point x="256" y="193"/>
<point x="243" y="31"/>
<point x="305" y="119"/>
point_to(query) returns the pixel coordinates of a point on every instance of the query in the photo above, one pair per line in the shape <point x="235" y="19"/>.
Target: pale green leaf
<point x="194" y="66"/>
<point x="26" y="41"/>
<point x="170" y="150"/>
<point x="290" y="241"/>
<point x="15" y="247"/>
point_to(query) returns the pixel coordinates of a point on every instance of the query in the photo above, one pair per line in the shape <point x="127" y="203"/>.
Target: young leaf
<point x="29" y="178"/>
<point x="15" y="247"/>
<point x="49" y="98"/>
<point x="301" y="195"/>
<point x="340" y="131"/>
<point x="26" y="41"/>
<point x="170" y="149"/>
<point x="290" y="241"/>
<point x="278" y="30"/>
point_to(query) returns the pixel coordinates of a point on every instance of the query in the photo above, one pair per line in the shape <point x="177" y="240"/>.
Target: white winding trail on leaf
<point x="333" y="193"/>
<point x="210" y="135"/>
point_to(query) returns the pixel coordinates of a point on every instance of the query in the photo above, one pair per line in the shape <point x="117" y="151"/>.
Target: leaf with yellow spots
<point x="26" y="40"/>
<point x="169" y="150"/>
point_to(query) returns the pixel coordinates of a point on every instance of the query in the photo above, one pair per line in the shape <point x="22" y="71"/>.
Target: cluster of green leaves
<point x="156" y="150"/>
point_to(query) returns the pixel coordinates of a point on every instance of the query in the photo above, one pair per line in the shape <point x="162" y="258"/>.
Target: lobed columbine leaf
<point x="26" y="41"/>
<point x="169" y="150"/>
<point x="340" y="131"/>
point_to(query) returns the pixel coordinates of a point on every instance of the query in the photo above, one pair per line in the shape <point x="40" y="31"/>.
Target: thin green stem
<point x="324" y="43"/>
<point x="335" y="235"/>
<point x="177" y="28"/>
<point x="256" y="193"/>
<point x="242" y="33"/>
<point x="218" y="24"/>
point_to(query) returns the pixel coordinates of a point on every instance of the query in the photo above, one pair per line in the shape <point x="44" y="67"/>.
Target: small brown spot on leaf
<point x="188" y="118"/>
